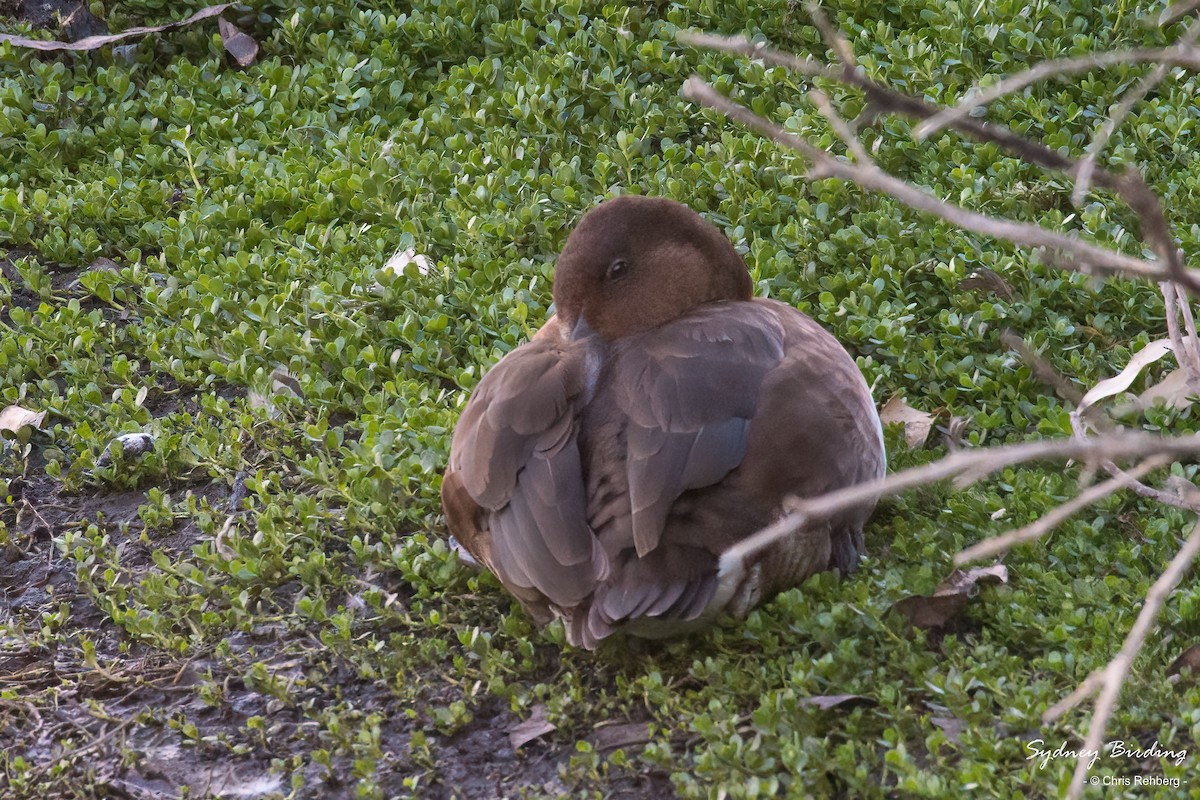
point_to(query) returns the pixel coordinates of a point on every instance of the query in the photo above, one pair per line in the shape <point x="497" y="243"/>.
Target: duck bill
<point x="581" y="330"/>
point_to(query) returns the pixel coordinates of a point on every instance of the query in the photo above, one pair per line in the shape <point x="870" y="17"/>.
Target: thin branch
<point x="1112" y="677"/>
<point x="1177" y="55"/>
<point x="1080" y="693"/>
<point x="1185" y="355"/>
<point x="1130" y="184"/>
<point x="1043" y="370"/>
<point x="962" y="465"/>
<point x="840" y="126"/>
<point x="833" y="37"/>
<point x="1087" y="165"/>
<point x="1094" y="258"/>
<point x="1174" y="12"/>
<point x="1056" y="516"/>
<point x="1192" y="343"/>
<point x="1080" y="428"/>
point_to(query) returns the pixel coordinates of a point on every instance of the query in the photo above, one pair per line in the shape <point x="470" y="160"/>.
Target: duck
<point x="661" y="416"/>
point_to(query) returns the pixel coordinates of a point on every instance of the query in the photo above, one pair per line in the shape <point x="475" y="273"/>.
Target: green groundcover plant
<point x="197" y="251"/>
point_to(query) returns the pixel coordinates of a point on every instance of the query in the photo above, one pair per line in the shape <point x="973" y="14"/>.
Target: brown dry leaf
<point x="282" y="383"/>
<point x="240" y="45"/>
<point x="917" y="424"/>
<point x="1173" y="389"/>
<point x="951" y="595"/>
<point x="828" y="701"/>
<point x="951" y="726"/>
<point x="94" y="42"/>
<point x="525" y="732"/>
<point x="1189" y="659"/>
<point x="17" y="422"/>
<point x="614" y="736"/>
<point x="963" y="581"/>
<point x="932" y="611"/>
<point x="985" y="280"/>
<point x="1122" y="380"/>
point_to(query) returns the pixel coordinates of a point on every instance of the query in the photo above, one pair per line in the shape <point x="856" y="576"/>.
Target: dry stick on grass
<point x="1182" y="54"/>
<point x="964" y="467"/>
<point x="1091" y="258"/>
<point x="1110" y="679"/>
<point x="1052" y="519"/>
<point x="1129" y="185"/>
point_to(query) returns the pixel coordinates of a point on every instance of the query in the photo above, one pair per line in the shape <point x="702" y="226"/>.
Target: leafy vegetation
<point x="317" y="633"/>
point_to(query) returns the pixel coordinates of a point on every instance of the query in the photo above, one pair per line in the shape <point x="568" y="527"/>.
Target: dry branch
<point x="1174" y="12"/>
<point x="1183" y="54"/>
<point x="1083" y="256"/>
<point x="883" y="99"/>
<point x="1109" y="680"/>
<point x="1065" y="251"/>
<point x="1052" y="519"/>
<point x="1087" y="166"/>
<point x="964" y="466"/>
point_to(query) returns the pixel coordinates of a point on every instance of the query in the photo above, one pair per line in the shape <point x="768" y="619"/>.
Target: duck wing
<point x="515" y="454"/>
<point x="689" y="390"/>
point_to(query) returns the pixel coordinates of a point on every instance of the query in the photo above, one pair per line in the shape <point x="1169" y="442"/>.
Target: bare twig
<point x="1087" y="166"/>
<point x="840" y="126"/>
<point x="1185" y="352"/>
<point x="1182" y="54"/>
<point x="1080" y="428"/>
<point x="1091" y="258"/>
<point x="963" y="466"/>
<point x="1056" y="516"/>
<point x="1174" y="12"/>
<point x="833" y="37"/>
<point x="1109" y="680"/>
<point x="1191" y="344"/>
<point x="1043" y="370"/>
<point x="882" y="99"/>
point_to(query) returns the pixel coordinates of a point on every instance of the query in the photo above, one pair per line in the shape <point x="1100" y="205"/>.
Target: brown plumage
<point x="601" y="470"/>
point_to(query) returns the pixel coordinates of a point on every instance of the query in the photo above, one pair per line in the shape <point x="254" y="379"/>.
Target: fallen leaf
<point x="985" y="280"/>
<point x="1122" y="381"/>
<point x="1189" y="660"/>
<point x="1173" y="389"/>
<point x="94" y="42"/>
<point x="951" y="726"/>
<point x="932" y="611"/>
<point x="104" y="264"/>
<point x="951" y="595"/>
<point x="526" y="731"/>
<point x="613" y="736"/>
<point x="917" y="424"/>
<point x="961" y="581"/>
<point x="282" y="382"/>
<point x="14" y="420"/>
<point x="240" y="45"/>
<point x="828" y="701"/>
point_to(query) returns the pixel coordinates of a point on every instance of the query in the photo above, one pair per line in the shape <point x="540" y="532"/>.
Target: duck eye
<point x="617" y="268"/>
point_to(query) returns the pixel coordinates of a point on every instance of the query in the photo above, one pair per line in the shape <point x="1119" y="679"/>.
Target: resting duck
<point x="662" y="416"/>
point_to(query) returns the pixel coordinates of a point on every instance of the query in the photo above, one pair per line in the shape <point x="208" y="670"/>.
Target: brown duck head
<point x="633" y="263"/>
